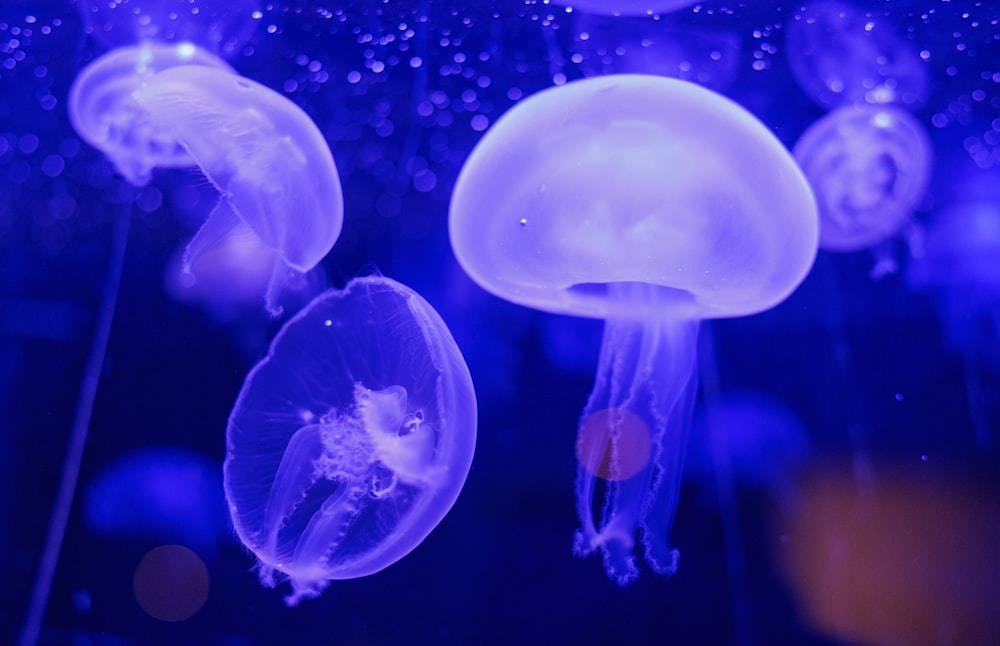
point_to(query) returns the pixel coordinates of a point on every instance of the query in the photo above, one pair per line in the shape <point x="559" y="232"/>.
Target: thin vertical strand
<point x="78" y="434"/>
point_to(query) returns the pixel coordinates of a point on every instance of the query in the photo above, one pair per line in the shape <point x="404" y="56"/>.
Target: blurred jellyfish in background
<point x="709" y="56"/>
<point x="352" y="439"/>
<point x="626" y="7"/>
<point x="869" y="166"/>
<point x="269" y="161"/>
<point x="161" y="494"/>
<point x="841" y="54"/>
<point x="106" y="115"/>
<point x="402" y="91"/>
<point x="220" y="27"/>
<point x="912" y="561"/>
<point x="959" y="262"/>
<point x="650" y="203"/>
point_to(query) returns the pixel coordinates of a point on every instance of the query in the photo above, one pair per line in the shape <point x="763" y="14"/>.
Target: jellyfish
<point x="869" y="167"/>
<point x="352" y="439"/>
<point x="841" y="55"/>
<point x="651" y="203"/>
<point x="267" y="158"/>
<point x="106" y="116"/>
<point x="957" y="262"/>
<point x="626" y="7"/>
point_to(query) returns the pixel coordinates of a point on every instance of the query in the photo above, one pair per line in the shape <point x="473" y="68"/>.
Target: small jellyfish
<point x="869" y="167"/>
<point x="626" y="7"/>
<point x="842" y="55"/>
<point x="267" y="158"/>
<point x="105" y="114"/>
<point x="650" y="203"/>
<point x="352" y="439"/>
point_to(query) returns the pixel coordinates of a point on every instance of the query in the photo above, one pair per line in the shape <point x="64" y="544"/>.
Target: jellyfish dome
<point x="651" y="203"/>
<point x="269" y="161"/>
<point x="105" y="114"/>
<point x="869" y="167"/>
<point x="352" y="439"/>
<point x="605" y="45"/>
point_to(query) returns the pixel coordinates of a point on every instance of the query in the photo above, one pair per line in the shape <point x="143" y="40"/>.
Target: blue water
<point x="840" y="481"/>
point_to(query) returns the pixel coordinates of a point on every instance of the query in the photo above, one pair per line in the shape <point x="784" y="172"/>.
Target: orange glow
<point x="915" y="559"/>
<point x="614" y="444"/>
<point x="171" y="583"/>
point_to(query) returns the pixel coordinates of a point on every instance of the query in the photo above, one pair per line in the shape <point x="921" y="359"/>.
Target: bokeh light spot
<point x="171" y="583"/>
<point x="614" y="444"/>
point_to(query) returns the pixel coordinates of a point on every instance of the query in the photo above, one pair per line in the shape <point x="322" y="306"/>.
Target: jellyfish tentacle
<point x="648" y="369"/>
<point x="295" y="474"/>
<point x="221" y="222"/>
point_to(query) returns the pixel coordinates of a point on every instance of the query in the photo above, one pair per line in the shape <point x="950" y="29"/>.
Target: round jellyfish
<point x="650" y="203"/>
<point x="869" y="167"/>
<point x="267" y="158"/>
<point x="626" y="7"/>
<point x="842" y="55"/>
<point x="219" y="26"/>
<point x="104" y="113"/>
<point x="352" y="439"/>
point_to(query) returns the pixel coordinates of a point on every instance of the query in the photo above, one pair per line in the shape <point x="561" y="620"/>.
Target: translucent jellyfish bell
<point x="352" y="439"/>
<point x="266" y="157"/>
<point x="651" y="203"/>
<point x="105" y="114"/>
<point x="219" y="26"/>
<point x="869" y="167"/>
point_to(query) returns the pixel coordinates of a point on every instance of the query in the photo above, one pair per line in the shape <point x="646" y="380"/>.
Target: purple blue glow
<point x="869" y="167"/>
<point x="841" y="54"/>
<point x="219" y="26"/>
<point x="167" y="494"/>
<point x="618" y="45"/>
<point x="105" y="114"/>
<point x="266" y="157"/>
<point x="626" y="7"/>
<point x="651" y="203"/>
<point x="352" y="439"/>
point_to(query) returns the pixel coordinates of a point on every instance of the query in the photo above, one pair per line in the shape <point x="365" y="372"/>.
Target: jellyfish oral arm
<point x="647" y="368"/>
<point x="295" y="475"/>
